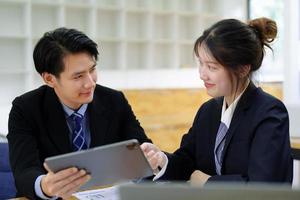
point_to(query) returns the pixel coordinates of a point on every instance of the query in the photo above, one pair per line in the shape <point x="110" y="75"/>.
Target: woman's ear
<point x="49" y="79"/>
<point x="244" y="71"/>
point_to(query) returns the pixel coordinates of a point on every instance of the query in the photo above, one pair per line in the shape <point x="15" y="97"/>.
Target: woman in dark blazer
<point x="242" y="133"/>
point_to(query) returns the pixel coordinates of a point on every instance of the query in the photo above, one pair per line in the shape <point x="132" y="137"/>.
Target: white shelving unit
<point x="136" y="38"/>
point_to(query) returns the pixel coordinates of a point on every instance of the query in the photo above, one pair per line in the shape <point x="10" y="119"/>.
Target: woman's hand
<point x="198" y="178"/>
<point x="154" y="155"/>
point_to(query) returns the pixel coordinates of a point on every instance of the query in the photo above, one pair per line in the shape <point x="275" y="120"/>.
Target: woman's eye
<point x="212" y="67"/>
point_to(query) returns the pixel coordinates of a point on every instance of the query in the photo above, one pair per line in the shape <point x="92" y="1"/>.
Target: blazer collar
<point x="243" y="104"/>
<point x="56" y="123"/>
<point x="99" y="117"/>
<point x="244" y="101"/>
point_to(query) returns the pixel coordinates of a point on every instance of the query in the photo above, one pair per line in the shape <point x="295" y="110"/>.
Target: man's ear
<point x="244" y="71"/>
<point x="49" y="79"/>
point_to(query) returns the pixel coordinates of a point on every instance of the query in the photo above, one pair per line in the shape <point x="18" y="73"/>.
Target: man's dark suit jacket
<point x="38" y="129"/>
<point x="257" y="146"/>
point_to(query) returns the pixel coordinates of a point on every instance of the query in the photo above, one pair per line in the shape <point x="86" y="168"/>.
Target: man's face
<point x="76" y="84"/>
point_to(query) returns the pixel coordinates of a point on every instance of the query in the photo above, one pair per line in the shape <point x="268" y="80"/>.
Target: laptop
<point x="212" y="192"/>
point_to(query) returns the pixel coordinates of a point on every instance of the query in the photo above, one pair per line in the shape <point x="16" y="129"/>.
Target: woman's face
<point x="216" y="77"/>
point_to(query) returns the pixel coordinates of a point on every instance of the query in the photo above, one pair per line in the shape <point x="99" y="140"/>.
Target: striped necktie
<point x="219" y="146"/>
<point x="78" y="136"/>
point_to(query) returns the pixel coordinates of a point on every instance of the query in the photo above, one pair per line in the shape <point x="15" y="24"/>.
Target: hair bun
<point x="266" y="28"/>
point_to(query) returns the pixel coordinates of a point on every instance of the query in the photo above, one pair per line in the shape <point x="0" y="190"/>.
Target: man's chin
<point x="89" y="100"/>
<point x="86" y="100"/>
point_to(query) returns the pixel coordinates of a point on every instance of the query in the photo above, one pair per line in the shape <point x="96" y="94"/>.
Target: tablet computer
<point x="107" y="164"/>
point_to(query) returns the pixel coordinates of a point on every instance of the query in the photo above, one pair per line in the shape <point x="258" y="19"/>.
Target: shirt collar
<point x="228" y="113"/>
<point x="69" y="111"/>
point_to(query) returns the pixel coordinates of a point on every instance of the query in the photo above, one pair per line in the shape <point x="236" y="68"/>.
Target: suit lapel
<point x="238" y="114"/>
<point x="99" y="121"/>
<point x="215" y="123"/>
<point x="56" y="122"/>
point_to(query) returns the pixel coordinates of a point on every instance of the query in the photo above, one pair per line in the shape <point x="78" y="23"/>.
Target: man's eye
<point x="78" y="77"/>
<point x="93" y="69"/>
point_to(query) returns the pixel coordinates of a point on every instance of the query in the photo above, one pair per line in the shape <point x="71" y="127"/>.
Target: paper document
<point x="111" y="193"/>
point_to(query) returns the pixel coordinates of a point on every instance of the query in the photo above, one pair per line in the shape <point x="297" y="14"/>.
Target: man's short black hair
<point x="51" y="49"/>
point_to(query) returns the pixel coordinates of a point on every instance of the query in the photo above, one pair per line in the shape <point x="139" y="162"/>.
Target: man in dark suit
<point x="69" y="113"/>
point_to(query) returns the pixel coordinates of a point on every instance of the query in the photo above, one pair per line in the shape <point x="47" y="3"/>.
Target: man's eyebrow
<point x="81" y="72"/>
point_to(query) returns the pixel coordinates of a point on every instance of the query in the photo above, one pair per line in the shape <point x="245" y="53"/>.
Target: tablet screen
<point x="108" y="164"/>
